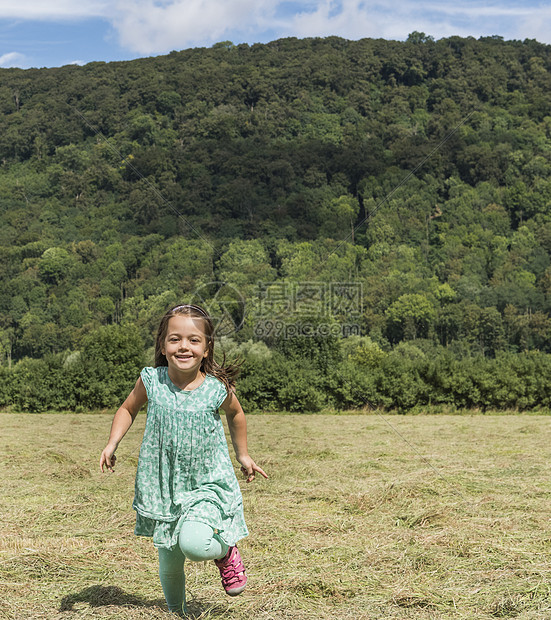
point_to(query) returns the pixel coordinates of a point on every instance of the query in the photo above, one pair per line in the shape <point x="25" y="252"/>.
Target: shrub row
<point x="510" y="381"/>
<point x="99" y="376"/>
<point x="292" y="376"/>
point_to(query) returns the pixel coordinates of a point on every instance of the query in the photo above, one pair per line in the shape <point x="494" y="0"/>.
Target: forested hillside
<point x="402" y="189"/>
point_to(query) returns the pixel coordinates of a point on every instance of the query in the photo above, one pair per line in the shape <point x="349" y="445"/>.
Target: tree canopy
<point x="418" y="172"/>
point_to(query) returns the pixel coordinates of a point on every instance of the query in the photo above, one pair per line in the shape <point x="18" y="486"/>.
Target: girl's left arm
<point x="237" y="424"/>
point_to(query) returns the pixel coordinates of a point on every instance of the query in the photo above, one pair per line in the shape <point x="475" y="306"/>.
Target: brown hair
<point x="227" y="373"/>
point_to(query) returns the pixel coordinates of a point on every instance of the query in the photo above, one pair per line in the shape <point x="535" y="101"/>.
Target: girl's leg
<point x="198" y="542"/>
<point x="173" y="581"/>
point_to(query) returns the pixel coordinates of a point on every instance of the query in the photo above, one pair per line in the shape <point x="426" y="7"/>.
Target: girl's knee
<point x="197" y="543"/>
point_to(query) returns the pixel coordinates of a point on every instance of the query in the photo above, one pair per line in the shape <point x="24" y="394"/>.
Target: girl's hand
<point x="108" y="458"/>
<point x="249" y="468"/>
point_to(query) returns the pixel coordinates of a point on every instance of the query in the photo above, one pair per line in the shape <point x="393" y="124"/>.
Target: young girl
<point x="187" y="497"/>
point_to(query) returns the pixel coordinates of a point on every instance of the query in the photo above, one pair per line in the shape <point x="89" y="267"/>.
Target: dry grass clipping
<point x="351" y="523"/>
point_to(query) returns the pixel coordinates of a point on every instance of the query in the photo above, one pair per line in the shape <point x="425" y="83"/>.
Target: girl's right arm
<point x="122" y="421"/>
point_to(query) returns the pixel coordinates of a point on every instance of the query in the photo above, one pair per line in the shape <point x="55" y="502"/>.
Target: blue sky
<point x="50" y="33"/>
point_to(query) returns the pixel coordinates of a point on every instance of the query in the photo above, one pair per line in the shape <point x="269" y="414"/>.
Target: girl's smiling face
<point x="185" y="345"/>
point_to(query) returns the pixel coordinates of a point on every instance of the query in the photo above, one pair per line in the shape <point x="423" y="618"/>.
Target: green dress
<point x="184" y="469"/>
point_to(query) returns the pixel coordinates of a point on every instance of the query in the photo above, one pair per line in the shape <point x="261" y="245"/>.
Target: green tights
<point x="197" y="542"/>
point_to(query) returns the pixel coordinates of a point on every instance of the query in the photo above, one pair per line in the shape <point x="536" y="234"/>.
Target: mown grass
<point x="362" y="517"/>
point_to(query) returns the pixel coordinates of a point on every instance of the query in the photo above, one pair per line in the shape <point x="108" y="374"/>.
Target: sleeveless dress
<point x="184" y="469"/>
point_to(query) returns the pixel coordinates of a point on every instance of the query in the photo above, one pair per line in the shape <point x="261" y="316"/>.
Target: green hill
<point x="415" y="173"/>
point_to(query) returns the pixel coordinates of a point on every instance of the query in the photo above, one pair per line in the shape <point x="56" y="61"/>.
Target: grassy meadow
<point x="363" y="517"/>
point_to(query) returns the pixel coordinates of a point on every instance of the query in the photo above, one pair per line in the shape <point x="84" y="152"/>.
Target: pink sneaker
<point x="232" y="572"/>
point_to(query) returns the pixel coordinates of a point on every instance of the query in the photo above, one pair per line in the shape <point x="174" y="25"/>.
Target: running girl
<point x="187" y="497"/>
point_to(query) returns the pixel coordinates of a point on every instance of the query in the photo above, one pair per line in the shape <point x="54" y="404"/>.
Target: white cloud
<point x="53" y="9"/>
<point x="535" y="27"/>
<point x="12" y="59"/>
<point x="467" y="9"/>
<point x="157" y="26"/>
<point x="349" y="18"/>
<point x="354" y="19"/>
<point x="149" y="26"/>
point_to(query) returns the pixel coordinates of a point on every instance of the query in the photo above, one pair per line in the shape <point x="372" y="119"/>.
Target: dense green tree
<point x="108" y="366"/>
<point x="410" y="317"/>
<point x="398" y="190"/>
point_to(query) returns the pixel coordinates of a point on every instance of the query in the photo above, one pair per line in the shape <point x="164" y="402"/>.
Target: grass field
<point x="362" y="517"/>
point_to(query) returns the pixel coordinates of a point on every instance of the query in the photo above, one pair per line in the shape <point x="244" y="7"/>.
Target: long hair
<point x="227" y="373"/>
